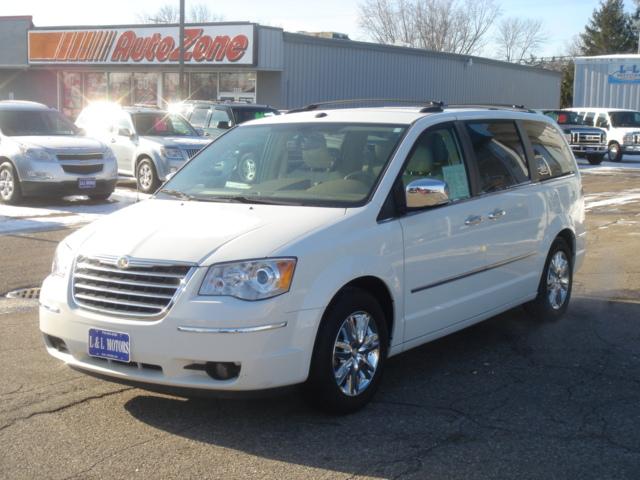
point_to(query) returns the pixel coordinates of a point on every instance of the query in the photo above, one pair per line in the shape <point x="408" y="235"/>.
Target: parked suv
<point x="43" y="154"/>
<point x="622" y="126"/>
<point x="148" y="143"/>
<point x="216" y="117"/>
<point x="585" y="141"/>
<point x="367" y="232"/>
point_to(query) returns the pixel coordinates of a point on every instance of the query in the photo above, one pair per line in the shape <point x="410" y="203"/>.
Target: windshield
<point x="302" y="164"/>
<point x="565" y="118"/>
<point x="252" y="113"/>
<point x="625" y="119"/>
<point x="35" y="122"/>
<point x="161" y="124"/>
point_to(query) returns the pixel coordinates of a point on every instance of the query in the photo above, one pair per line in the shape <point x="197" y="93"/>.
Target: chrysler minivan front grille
<point x="126" y="286"/>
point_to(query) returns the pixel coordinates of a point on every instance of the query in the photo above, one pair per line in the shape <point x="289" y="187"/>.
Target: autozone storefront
<point x="140" y="65"/>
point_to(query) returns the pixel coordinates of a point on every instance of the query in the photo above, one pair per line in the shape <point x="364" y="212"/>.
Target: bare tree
<point x="457" y="26"/>
<point x="168" y="13"/>
<point x="519" y="39"/>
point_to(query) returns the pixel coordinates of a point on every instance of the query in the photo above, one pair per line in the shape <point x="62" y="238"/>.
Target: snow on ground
<point x="607" y="168"/>
<point x="42" y="215"/>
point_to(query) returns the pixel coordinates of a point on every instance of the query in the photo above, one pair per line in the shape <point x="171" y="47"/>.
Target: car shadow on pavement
<point x="510" y="395"/>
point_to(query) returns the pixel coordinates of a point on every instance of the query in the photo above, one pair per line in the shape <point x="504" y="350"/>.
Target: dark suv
<point x="216" y="117"/>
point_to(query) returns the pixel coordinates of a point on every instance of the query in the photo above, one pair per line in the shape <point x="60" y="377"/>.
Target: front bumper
<point x="160" y="352"/>
<point x="631" y="149"/>
<point x="601" y="149"/>
<point x="52" y="189"/>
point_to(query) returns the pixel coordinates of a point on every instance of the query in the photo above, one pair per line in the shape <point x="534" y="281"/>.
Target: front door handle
<point x="473" y="220"/>
<point x="496" y="214"/>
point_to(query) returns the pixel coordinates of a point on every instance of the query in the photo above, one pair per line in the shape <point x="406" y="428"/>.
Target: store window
<point x="120" y="88"/>
<point x="95" y="86"/>
<point x="170" y="87"/>
<point x="238" y="87"/>
<point x="203" y="86"/>
<point x="71" y="94"/>
<point x="145" y="88"/>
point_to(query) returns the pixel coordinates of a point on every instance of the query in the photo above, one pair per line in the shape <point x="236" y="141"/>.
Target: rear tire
<point x="554" y="289"/>
<point x="595" y="159"/>
<point x="146" y="176"/>
<point x="349" y="354"/>
<point x="614" y="152"/>
<point x="10" y="191"/>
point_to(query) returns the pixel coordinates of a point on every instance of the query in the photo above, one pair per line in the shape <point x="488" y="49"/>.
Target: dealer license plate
<point x="86" y="183"/>
<point x="107" y="344"/>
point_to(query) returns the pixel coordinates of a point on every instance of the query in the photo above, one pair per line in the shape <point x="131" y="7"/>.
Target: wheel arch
<point x="379" y="290"/>
<point x="568" y="236"/>
<point x="13" y="164"/>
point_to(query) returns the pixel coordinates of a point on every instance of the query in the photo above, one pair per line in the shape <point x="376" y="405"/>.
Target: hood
<point x="184" y="142"/>
<point x="199" y="232"/>
<point x="625" y="130"/>
<point x="61" y="142"/>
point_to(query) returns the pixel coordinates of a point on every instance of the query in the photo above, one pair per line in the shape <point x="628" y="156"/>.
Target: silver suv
<point x="44" y="154"/>
<point x="149" y="143"/>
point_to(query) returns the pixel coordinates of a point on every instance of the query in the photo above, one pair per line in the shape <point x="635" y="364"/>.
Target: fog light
<point x="39" y="175"/>
<point x="222" y="370"/>
<point x="173" y="170"/>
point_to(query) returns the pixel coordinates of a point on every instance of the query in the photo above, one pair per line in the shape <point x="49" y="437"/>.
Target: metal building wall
<point x="318" y="69"/>
<point x="592" y="86"/>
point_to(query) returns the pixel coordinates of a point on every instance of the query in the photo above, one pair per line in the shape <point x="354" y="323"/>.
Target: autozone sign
<point x="206" y="44"/>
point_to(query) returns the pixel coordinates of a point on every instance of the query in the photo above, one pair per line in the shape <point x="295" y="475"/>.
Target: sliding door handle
<point x="496" y="214"/>
<point x="473" y="220"/>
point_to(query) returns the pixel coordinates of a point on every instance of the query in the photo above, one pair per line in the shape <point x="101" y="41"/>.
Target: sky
<point x="562" y="19"/>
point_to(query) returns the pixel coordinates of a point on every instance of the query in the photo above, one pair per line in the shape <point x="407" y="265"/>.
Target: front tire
<point x="554" y="290"/>
<point x="349" y="354"/>
<point x="595" y="159"/>
<point x="10" y="191"/>
<point x="146" y="176"/>
<point x="614" y="152"/>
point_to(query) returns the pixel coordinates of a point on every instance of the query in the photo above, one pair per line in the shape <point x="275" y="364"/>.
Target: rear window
<point x="198" y="117"/>
<point x="552" y="156"/>
<point x="245" y="114"/>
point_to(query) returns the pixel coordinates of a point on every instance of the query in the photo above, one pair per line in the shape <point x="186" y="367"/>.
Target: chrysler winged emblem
<point x="123" y="263"/>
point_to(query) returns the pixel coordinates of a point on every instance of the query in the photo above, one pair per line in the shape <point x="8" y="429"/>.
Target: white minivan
<point x="365" y="232"/>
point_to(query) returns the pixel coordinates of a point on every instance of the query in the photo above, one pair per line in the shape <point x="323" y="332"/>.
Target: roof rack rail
<point x="491" y="106"/>
<point x="426" y="105"/>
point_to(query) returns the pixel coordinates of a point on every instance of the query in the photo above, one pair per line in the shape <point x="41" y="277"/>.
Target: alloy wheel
<point x="558" y="280"/>
<point x="356" y="353"/>
<point x="145" y="176"/>
<point x="7" y="184"/>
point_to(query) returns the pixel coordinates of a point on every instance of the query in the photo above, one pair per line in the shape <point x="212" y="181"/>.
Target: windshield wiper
<point x="245" y="199"/>
<point x="177" y="194"/>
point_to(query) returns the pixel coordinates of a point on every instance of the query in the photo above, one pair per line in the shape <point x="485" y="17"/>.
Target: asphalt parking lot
<point x="509" y="398"/>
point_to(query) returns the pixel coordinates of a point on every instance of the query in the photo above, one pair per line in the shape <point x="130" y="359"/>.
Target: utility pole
<point x="181" y="85"/>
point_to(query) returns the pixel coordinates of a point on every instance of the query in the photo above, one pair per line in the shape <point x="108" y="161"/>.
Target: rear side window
<point x="552" y="156"/>
<point x="499" y="155"/>
<point x="199" y="116"/>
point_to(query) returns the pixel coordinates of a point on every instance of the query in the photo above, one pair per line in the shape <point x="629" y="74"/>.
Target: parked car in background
<point x="365" y="233"/>
<point x="42" y="154"/>
<point x="622" y="127"/>
<point x="148" y="143"/>
<point x="585" y="141"/>
<point x="217" y="117"/>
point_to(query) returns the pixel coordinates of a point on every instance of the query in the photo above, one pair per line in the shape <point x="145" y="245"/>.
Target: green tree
<point x="566" y="85"/>
<point x="609" y="30"/>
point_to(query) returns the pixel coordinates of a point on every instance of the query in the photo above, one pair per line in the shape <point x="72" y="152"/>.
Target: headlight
<point x="628" y="138"/>
<point x="37" y="154"/>
<point x="108" y="155"/>
<point x="62" y="260"/>
<point x="568" y="137"/>
<point x="172" y="153"/>
<point x="251" y="279"/>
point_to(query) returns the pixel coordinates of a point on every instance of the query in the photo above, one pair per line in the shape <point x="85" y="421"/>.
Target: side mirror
<point x="200" y="132"/>
<point x="222" y="125"/>
<point x="426" y="192"/>
<point x="125" y="132"/>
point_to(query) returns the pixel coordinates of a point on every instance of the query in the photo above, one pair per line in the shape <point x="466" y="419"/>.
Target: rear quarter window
<point x="552" y="157"/>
